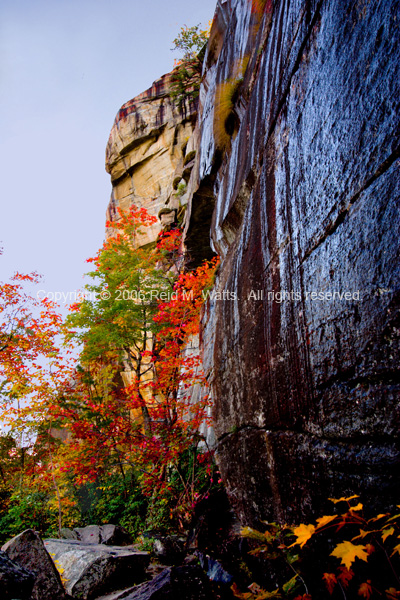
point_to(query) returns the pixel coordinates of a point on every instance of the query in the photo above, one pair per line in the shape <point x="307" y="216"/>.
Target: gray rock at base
<point x="89" y="535"/>
<point x="215" y="571"/>
<point x="115" y="535"/>
<point x="92" y="570"/>
<point x="174" y="583"/>
<point x="16" y="583"/>
<point x="28" y="551"/>
<point x="169" y="549"/>
<point x="68" y="534"/>
<point x="119" y="594"/>
<point x="110" y="535"/>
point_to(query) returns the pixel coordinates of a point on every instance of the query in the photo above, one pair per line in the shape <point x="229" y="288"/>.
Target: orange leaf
<point x="386" y="532"/>
<point x="380" y="516"/>
<point x="365" y="590"/>
<point x="343" y="499"/>
<point x="345" y="576"/>
<point x="396" y="549"/>
<point x="330" y="581"/>
<point x="361" y="535"/>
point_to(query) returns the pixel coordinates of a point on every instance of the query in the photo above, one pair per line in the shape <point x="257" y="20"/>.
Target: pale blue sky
<point x="66" y="66"/>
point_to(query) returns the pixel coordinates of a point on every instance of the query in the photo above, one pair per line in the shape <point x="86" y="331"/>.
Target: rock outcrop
<point x="109" y="535"/>
<point x="298" y="154"/>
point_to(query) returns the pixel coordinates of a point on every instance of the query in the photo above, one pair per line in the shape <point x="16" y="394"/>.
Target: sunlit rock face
<point x="146" y="152"/>
<point x="302" y="203"/>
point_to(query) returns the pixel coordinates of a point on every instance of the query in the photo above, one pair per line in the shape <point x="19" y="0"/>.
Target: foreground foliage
<point x="342" y="555"/>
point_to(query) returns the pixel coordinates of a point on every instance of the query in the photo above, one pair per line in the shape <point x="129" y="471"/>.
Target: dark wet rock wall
<point x="302" y="352"/>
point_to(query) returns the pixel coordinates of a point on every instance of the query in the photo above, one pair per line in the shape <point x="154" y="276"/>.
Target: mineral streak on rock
<point x="306" y="194"/>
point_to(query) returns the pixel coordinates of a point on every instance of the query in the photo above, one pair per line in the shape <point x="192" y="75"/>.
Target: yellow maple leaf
<point x="396" y="549"/>
<point x="380" y="516"/>
<point x="343" y="499"/>
<point x="362" y="534"/>
<point x="322" y="521"/>
<point x="365" y="590"/>
<point x="359" y="506"/>
<point x="303" y="534"/>
<point x="348" y="552"/>
<point x="386" y="532"/>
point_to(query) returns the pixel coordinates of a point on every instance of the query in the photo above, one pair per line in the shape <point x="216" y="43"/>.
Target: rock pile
<point x="69" y="569"/>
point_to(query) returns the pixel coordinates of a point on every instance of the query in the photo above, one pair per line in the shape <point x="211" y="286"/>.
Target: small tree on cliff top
<point x="186" y="76"/>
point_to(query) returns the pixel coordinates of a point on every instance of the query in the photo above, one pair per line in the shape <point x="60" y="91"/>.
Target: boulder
<point x="89" y="535"/>
<point x="119" y="594"/>
<point x="68" y="534"/>
<point x="169" y="549"/>
<point x="174" y="583"/>
<point x="28" y="551"/>
<point x="115" y="535"/>
<point x="111" y="535"/>
<point x="16" y="583"/>
<point x="214" y="569"/>
<point x="92" y="570"/>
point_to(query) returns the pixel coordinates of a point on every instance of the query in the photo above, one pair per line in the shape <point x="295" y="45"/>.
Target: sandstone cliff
<point x="147" y="154"/>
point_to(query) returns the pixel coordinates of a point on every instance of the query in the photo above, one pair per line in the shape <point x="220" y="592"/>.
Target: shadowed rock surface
<point x="183" y="583"/>
<point x="302" y="354"/>
<point x="92" y="570"/>
<point x="28" y="551"/>
<point x="16" y="583"/>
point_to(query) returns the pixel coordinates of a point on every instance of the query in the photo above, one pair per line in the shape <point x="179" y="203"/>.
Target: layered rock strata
<point x="148" y="156"/>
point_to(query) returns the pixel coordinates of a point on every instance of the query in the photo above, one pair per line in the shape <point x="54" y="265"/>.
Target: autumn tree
<point x="141" y="311"/>
<point x="116" y="317"/>
<point x="30" y="362"/>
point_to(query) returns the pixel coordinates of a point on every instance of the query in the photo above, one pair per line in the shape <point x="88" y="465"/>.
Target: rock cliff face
<point x="302" y="181"/>
<point x="292" y="177"/>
